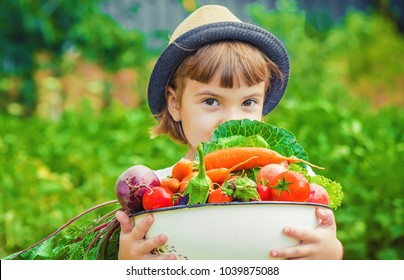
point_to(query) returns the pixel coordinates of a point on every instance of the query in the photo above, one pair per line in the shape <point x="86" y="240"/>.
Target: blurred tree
<point x="392" y="10"/>
<point x="29" y="28"/>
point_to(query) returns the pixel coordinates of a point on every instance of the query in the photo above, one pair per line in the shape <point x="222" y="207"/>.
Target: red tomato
<point x="264" y="192"/>
<point x="218" y="196"/>
<point x="268" y="172"/>
<point x="290" y="186"/>
<point x="157" y="197"/>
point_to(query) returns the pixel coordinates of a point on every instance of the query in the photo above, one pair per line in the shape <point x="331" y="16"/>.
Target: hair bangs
<point x="233" y="61"/>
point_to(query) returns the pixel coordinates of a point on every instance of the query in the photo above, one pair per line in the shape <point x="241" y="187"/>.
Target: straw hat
<point x="208" y="24"/>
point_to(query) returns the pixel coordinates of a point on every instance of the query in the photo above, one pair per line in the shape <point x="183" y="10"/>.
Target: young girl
<point x="216" y="69"/>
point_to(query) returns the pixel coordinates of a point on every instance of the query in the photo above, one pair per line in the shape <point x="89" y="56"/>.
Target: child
<point x="217" y="68"/>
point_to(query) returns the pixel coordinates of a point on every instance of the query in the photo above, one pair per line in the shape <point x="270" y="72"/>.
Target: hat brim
<point x="205" y="34"/>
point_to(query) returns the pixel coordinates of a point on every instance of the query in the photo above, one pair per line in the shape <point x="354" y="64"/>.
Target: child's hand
<point x="320" y="243"/>
<point x="132" y="244"/>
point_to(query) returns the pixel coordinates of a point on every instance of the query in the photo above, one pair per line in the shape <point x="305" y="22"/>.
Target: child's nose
<point x="232" y="114"/>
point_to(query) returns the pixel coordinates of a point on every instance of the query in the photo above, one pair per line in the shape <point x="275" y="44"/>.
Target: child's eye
<point x="248" y="103"/>
<point x="211" y="102"/>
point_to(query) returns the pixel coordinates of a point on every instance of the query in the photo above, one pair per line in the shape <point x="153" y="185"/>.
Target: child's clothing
<point x="165" y="172"/>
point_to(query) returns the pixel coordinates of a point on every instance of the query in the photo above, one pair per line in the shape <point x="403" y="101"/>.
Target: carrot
<point x="219" y="175"/>
<point x="182" y="169"/>
<point x="172" y="184"/>
<point x="229" y="157"/>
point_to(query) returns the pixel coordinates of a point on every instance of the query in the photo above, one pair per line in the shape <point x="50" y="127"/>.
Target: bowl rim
<point x="224" y="204"/>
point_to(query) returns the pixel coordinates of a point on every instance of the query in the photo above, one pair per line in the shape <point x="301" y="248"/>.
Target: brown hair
<point x="234" y="60"/>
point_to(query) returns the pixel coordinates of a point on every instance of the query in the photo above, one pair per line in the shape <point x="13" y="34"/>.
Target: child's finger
<point x="326" y="216"/>
<point x="298" y="251"/>
<point x="124" y="220"/>
<point x="141" y="227"/>
<point x="302" y="234"/>
<point x="294" y="252"/>
<point x="152" y="243"/>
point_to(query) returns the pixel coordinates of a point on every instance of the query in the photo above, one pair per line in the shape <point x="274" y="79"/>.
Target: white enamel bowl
<point x="237" y="230"/>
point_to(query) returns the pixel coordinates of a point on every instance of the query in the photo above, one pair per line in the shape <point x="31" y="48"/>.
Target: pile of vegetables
<point x="236" y="168"/>
<point x="244" y="161"/>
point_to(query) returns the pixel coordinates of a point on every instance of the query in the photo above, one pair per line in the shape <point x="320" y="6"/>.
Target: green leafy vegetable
<point x="95" y="240"/>
<point x="246" y="189"/>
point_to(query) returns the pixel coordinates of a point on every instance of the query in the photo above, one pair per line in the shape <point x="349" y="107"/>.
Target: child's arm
<point x="132" y="244"/>
<point x="320" y="243"/>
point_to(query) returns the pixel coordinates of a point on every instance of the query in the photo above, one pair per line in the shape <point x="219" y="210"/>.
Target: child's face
<point x="205" y="106"/>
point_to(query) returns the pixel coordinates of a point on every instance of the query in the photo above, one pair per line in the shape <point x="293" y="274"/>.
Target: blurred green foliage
<point x="52" y="171"/>
<point x="29" y="28"/>
<point x="359" y="142"/>
<point x="343" y="103"/>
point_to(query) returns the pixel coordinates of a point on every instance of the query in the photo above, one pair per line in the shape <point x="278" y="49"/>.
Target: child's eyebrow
<point x="207" y="92"/>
